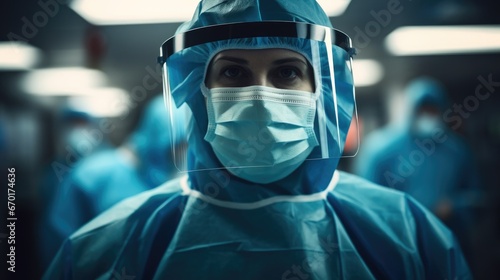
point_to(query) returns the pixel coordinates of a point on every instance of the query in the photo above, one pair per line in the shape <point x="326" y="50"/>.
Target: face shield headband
<point x="186" y="56"/>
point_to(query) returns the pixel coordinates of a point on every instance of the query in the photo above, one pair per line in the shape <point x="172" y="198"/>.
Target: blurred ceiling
<point x="127" y="53"/>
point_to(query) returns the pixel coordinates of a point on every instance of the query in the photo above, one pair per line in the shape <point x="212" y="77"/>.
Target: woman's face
<point x="278" y="68"/>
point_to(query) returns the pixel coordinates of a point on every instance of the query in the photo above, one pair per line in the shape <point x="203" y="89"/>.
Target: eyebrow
<point x="288" y="60"/>
<point x="276" y="62"/>
<point x="233" y="59"/>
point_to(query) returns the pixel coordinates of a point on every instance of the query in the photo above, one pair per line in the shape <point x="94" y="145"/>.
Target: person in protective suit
<point x="270" y="92"/>
<point x="76" y="143"/>
<point x="423" y="157"/>
<point x="108" y="176"/>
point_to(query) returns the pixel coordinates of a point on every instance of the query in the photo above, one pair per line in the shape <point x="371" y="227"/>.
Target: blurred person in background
<point x="423" y="157"/>
<point x="271" y="97"/>
<point x="104" y="178"/>
<point x="75" y="141"/>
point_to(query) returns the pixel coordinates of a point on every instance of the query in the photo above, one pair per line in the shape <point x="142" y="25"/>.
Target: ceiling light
<point x="367" y="72"/>
<point x="334" y="8"/>
<point x="18" y="56"/>
<point x="433" y="40"/>
<point x="62" y="81"/>
<point x="114" y="12"/>
<point x="101" y="102"/>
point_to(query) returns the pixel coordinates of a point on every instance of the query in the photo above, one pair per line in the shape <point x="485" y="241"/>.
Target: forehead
<point x="261" y="54"/>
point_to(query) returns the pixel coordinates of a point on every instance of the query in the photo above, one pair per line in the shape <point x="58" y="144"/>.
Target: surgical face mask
<point x="80" y="141"/>
<point x="426" y="125"/>
<point x="260" y="134"/>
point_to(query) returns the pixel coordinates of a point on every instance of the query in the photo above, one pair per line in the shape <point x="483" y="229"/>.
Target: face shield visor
<point x="287" y="125"/>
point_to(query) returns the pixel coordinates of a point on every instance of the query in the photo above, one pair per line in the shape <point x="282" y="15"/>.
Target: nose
<point x="261" y="79"/>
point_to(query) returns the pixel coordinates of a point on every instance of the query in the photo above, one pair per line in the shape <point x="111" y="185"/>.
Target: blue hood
<point x="313" y="175"/>
<point x="211" y="12"/>
<point x="426" y="91"/>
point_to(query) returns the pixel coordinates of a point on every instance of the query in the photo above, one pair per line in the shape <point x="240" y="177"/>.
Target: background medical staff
<point x="102" y="179"/>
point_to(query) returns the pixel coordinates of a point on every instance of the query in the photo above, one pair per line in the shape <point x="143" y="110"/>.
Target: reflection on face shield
<point x="290" y="83"/>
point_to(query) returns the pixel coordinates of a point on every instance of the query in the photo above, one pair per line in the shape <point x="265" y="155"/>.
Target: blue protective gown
<point x="316" y="223"/>
<point x="352" y="230"/>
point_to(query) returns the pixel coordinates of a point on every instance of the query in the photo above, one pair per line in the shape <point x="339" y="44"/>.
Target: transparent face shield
<point x="259" y="126"/>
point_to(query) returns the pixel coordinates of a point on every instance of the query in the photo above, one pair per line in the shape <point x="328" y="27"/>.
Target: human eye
<point x="232" y="72"/>
<point x="288" y="73"/>
<point x="293" y="76"/>
<point x="288" y="76"/>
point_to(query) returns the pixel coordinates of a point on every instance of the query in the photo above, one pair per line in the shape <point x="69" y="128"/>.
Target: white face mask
<point x="260" y="134"/>
<point x="426" y="126"/>
<point x="80" y="140"/>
